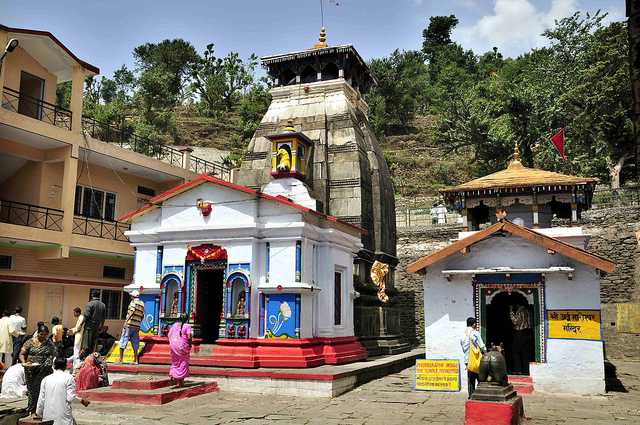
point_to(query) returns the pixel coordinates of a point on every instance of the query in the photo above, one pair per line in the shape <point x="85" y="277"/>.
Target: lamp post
<point x="11" y="46"/>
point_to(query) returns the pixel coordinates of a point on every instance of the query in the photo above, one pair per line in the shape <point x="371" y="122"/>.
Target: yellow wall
<point x="24" y="185"/>
<point x="39" y="299"/>
<point x="19" y="60"/>
<point x="125" y="186"/>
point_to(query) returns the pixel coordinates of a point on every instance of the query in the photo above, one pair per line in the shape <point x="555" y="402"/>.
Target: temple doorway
<point x="518" y="345"/>
<point x="209" y="298"/>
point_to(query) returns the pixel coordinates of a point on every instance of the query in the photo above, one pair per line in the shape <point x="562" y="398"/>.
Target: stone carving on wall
<point x="379" y="272"/>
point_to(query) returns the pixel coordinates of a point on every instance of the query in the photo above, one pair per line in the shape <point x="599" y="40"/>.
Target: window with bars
<point x="116" y="303"/>
<point x="94" y="203"/>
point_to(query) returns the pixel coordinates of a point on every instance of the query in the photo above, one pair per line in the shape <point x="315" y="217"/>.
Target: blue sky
<point x="104" y="32"/>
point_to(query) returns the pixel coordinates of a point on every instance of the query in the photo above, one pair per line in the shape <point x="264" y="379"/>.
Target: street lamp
<point x="11" y="46"/>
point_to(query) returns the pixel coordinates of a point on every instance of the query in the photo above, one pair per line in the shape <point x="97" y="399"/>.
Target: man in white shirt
<point x="7" y="331"/>
<point x="57" y="391"/>
<point x="471" y="336"/>
<point x="20" y="325"/>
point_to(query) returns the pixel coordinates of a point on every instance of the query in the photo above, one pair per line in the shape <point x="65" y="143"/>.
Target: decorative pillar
<point x="341" y="73"/>
<point x="298" y="79"/>
<point x="77" y="91"/>
<point x="574" y="212"/>
<point x="268" y="260"/>
<point x="186" y="157"/>
<point x="319" y="76"/>
<point x="465" y="220"/>
<point x="298" y="261"/>
<point x="159" y="255"/>
<point x="534" y="210"/>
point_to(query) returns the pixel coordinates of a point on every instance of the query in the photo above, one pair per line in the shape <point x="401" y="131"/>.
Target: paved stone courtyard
<point x="390" y="400"/>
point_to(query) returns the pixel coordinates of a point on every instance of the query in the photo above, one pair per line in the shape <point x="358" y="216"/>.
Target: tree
<point x="219" y="81"/>
<point x="437" y="34"/>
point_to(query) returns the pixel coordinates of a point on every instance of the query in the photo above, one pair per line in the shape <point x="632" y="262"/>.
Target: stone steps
<point x="147" y="391"/>
<point x="522" y="384"/>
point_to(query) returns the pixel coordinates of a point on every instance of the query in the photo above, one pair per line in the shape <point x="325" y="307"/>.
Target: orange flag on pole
<point x="558" y="141"/>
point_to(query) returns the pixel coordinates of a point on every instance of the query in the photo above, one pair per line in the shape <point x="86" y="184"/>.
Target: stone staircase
<point x="522" y="384"/>
<point x="147" y="391"/>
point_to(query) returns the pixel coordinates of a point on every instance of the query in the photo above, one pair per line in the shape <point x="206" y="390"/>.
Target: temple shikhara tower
<point x="531" y="286"/>
<point x="318" y="95"/>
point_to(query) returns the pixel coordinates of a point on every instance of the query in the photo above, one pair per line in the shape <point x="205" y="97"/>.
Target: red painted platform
<point x="494" y="413"/>
<point x="523" y="384"/>
<point x="255" y="353"/>
<point x="147" y="391"/>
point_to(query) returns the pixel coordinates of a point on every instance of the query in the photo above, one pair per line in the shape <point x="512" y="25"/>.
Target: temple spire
<point x="322" y="39"/>
<point x="515" y="160"/>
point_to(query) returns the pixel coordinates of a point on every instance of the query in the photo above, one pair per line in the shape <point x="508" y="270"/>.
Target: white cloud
<point x="514" y="26"/>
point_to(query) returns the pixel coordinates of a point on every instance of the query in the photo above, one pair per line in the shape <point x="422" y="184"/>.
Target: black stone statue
<point x="493" y="367"/>
<point x="492" y="377"/>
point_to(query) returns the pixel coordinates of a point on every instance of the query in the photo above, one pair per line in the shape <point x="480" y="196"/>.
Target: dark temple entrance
<point x="500" y="329"/>
<point x="209" y="287"/>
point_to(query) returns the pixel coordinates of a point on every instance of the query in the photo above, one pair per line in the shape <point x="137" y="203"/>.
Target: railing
<point x="127" y="139"/>
<point x="31" y="215"/>
<point x="98" y="228"/>
<point x="36" y="108"/>
<point x="199" y="166"/>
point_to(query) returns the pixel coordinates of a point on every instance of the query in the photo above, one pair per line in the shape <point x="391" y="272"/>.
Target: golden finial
<point x="289" y="128"/>
<point x="322" y="40"/>
<point x="515" y="160"/>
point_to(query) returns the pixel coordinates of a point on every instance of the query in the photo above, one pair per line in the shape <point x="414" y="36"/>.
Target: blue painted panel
<point x="246" y="267"/>
<point x="282" y="315"/>
<point x="148" y="324"/>
<point x="514" y="278"/>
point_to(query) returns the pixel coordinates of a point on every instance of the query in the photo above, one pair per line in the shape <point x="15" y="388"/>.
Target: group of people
<point x="473" y="345"/>
<point x="50" y="366"/>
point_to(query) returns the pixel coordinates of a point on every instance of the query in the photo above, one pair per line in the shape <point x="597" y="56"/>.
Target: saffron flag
<point x="558" y="141"/>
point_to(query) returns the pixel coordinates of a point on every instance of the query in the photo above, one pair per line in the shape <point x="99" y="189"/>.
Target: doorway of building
<point x="31" y="95"/>
<point x="500" y="329"/>
<point x="209" y="297"/>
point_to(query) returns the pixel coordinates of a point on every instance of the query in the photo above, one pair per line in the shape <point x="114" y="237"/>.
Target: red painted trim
<point x="29" y="279"/>
<point x="202" y="178"/>
<point x="254" y="353"/>
<point x="84" y="64"/>
<point x="141" y="384"/>
<point x="147" y="397"/>
<point x="495" y="413"/>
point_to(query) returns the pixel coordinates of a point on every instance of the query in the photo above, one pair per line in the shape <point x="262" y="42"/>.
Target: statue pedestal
<point x="510" y="412"/>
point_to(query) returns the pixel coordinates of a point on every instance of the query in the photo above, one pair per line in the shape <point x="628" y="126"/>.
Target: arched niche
<point x="171" y="302"/>
<point x="309" y="75"/>
<point x="239" y="290"/>
<point x="330" y="72"/>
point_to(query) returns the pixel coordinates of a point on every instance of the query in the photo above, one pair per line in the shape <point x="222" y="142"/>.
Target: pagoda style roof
<point x="517" y="175"/>
<point x="552" y="244"/>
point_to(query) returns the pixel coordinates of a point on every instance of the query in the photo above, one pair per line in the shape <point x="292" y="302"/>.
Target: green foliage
<point x="220" y="81"/>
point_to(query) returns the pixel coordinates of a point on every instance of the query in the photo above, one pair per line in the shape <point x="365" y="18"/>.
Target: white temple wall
<point x="572" y="366"/>
<point x="143" y="273"/>
<point x="173" y="254"/>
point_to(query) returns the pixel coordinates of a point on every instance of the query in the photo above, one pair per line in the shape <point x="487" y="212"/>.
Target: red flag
<point x="558" y="141"/>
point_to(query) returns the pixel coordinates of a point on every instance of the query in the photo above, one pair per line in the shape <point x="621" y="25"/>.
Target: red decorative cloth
<point x="206" y="252"/>
<point x="558" y="141"/>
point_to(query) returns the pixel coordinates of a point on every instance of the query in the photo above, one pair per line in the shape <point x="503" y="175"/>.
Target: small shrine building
<point x="510" y="256"/>
<point x="264" y="278"/>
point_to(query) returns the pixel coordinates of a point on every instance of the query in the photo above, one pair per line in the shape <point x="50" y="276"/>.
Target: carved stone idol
<point x="492" y="376"/>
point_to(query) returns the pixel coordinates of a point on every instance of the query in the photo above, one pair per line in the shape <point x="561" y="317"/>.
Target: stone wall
<point x="612" y="234"/>
<point x="414" y="243"/>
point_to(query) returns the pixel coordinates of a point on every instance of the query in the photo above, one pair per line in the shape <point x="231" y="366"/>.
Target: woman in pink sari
<point x="88" y="376"/>
<point x="180" y="345"/>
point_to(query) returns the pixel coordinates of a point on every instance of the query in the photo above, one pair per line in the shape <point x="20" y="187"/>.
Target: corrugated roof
<point x="517" y="175"/>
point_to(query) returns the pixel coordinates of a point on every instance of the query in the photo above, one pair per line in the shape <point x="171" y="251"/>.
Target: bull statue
<point x="493" y="367"/>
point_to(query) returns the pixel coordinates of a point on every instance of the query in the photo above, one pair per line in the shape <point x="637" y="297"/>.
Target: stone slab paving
<point x="390" y="400"/>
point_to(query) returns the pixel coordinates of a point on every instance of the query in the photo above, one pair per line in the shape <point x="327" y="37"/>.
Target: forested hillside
<point x="444" y="114"/>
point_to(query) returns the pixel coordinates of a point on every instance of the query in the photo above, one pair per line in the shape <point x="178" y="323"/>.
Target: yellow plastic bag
<point x="474" y="357"/>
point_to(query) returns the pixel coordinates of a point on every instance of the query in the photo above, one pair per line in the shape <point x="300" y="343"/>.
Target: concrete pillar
<point x="77" y="91"/>
<point x="69" y="179"/>
<point x="534" y="210"/>
<point x="574" y="212"/>
<point x="4" y="39"/>
<point x="186" y="157"/>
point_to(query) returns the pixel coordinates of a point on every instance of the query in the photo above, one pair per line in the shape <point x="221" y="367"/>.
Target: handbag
<point x="473" y="365"/>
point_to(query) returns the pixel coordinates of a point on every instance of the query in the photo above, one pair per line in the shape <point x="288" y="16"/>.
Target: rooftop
<point x="517" y="175"/>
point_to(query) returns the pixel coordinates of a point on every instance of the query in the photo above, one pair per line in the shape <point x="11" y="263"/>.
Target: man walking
<point x="7" y="332"/>
<point x="131" y="329"/>
<point x="522" y="339"/>
<point x="20" y="326"/>
<point x="57" y="391"/>
<point x="471" y="336"/>
<point x="94" y="314"/>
